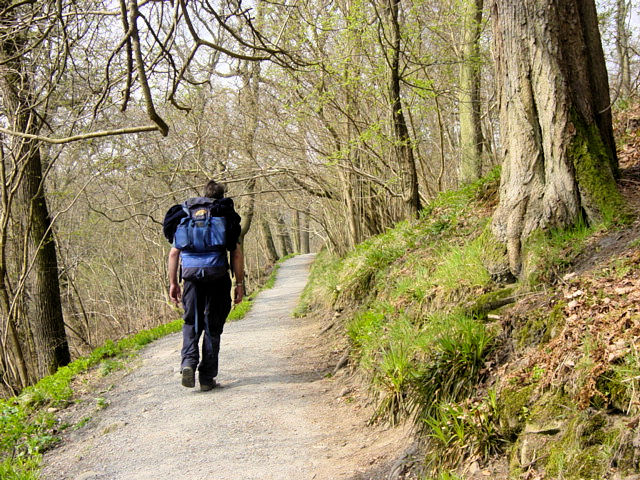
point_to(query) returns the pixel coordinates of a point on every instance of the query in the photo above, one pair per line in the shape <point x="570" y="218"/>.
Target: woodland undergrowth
<point x="28" y="422"/>
<point x="537" y="378"/>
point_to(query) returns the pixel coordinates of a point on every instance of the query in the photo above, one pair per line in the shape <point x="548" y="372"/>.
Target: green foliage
<point x="371" y="258"/>
<point x="465" y="266"/>
<point x="620" y="385"/>
<point x="83" y="421"/>
<point x="414" y="367"/>
<point x="365" y="327"/>
<point x="385" y="348"/>
<point x="239" y="311"/>
<point x="547" y="254"/>
<point x="458" y="352"/>
<point x="321" y="287"/>
<point x="110" y="365"/>
<point x="469" y="428"/>
<point x="447" y="476"/>
<point x="396" y="369"/>
<point x="415" y="357"/>
<point x="407" y="294"/>
<point x="20" y="468"/>
<point x="25" y="425"/>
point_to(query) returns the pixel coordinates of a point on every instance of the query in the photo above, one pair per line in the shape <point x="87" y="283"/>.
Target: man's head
<point x="213" y="190"/>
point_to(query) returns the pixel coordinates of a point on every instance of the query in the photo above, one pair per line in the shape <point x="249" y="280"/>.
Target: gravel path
<point x="274" y="417"/>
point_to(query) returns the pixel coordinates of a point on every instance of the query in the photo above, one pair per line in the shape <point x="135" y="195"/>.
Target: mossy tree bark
<point x="557" y="139"/>
<point x="471" y="140"/>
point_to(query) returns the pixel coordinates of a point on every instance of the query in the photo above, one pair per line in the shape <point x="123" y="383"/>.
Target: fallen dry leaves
<point x="602" y="325"/>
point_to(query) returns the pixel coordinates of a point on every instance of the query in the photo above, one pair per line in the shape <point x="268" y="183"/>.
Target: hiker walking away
<point x="202" y="230"/>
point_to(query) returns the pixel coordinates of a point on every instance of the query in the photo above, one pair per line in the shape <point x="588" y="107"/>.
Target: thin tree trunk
<point x="252" y="86"/>
<point x="304" y="233"/>
<point x="284" y="240"/>
<point x="622" y="46"/>
<point x="272" y="253"/>
<point x="350" y="205"/>
<point x="556" y="133"/>
<point x="471" y="140"/>
<point x="296" y="231"/>
<point x="404" y="146"/>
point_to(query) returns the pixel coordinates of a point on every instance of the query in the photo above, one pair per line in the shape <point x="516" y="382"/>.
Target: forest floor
<point x="279" y="413"/>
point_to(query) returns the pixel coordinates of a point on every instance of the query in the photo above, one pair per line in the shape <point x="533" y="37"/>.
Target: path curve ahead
<point x="273" y="418"/>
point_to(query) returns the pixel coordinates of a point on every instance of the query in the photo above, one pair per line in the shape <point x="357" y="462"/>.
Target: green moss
<point x="594" y="169"/>
<point x="541" y="326"/>
<point x="561" y="440"/>
<point x="489" y="302"/>
<point x="513" y="410"/>
<point x="620" y="385"/>
<point x="583" y="450"/>
<point x="593" y="433"/>
<point x="553" y="404"/>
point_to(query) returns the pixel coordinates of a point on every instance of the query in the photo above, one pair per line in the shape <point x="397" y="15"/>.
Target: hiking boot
<point x="188" y="377"/>
<point x="207" y="385"/>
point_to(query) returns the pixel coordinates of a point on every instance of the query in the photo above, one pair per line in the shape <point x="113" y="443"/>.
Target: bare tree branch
<point x="142" y="76"/>
<point x="85" y="136"/>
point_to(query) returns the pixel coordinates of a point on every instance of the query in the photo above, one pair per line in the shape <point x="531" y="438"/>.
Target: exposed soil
<point x="277" y="415"/>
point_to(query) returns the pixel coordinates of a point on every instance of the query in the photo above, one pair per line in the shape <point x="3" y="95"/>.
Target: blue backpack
<point x="201" y="238"/>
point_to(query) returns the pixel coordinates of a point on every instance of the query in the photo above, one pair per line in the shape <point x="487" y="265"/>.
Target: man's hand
<point x="175" y="294"/>
<point x="238" y="293"/>
<point x="237" y="264"/>
<point x="174" y="289"/>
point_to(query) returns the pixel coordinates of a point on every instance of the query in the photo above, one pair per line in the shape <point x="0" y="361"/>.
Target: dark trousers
<point x="206" y="306"/>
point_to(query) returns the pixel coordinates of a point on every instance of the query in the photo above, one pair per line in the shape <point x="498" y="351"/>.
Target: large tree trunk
<point x="47" y="322"/>
<point x="557" y="139"/>
<point x="471" y="140"/>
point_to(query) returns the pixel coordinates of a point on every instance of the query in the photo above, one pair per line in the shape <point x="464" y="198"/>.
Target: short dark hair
<point x="213" y="189"/>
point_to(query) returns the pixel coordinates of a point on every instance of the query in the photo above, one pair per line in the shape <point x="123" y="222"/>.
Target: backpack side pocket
<point x="182" y="239"/>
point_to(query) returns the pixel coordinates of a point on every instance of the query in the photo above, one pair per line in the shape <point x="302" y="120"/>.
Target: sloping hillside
<point x="535" y="378"/>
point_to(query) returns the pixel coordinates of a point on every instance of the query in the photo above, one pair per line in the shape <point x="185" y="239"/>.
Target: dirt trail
<point x="275" y="417"/>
